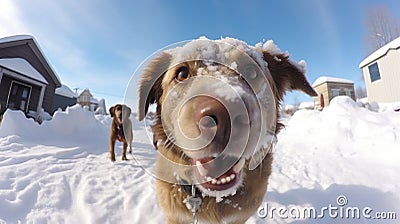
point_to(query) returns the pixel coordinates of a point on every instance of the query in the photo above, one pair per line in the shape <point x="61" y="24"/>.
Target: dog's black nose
<point x="211" y="113"/>
<point x="212" y="116"/>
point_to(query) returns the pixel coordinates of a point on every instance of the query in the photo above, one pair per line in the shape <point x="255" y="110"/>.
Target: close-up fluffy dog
<point x="217" y="105"/>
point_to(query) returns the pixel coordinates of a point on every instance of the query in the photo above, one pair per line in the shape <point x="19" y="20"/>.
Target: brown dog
<point x="121" y="129"/>
<point x="218" y="106"/>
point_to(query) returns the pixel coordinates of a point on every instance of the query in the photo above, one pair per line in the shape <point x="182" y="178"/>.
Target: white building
<point x="381" y="72"/>
<point x="330" y="87"/>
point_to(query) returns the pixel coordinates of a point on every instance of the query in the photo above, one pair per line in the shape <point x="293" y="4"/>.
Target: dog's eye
<point x="182" y="74"/>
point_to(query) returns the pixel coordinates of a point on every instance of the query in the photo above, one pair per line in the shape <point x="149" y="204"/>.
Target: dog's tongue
<point x="218" y="167"/>
<point x="218" y="174"/>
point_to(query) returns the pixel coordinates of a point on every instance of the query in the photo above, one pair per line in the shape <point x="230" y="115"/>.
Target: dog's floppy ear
<point x="287" y="75"/>
<point x="127" y="110"/>
<point x="150" y="89"/>
<point x="111" y="110"/>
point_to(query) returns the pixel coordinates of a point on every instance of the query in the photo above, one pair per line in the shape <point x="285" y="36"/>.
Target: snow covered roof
<point x="86" y="91"/>
<point x="289" y="107"/>
<point x="18" y="40"/>
<point x="15" y="38"/>
<point x="94" y="100"/>
<point x="306" y="105"/>
<point x="395" y="44"/>
<point x="324" y="79"/>
<point x="22" y="66"/>
<point x="66" y="91"/>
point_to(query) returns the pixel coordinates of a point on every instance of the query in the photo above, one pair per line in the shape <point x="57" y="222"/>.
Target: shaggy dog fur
<point x="284" y="76"/>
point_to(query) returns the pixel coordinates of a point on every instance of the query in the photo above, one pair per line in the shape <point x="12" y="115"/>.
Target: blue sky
<point x="98" y="44"/>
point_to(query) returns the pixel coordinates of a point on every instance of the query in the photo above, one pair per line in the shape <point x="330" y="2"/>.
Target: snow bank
<point x="60" y="172"/>
<point x="343" y="150"/>
<point x="347" y="127"/>
<point x="348" y="143"/>
<point x="70" y="128"/>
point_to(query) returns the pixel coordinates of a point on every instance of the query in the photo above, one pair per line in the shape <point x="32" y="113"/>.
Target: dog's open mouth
<point x="206" y="170"/>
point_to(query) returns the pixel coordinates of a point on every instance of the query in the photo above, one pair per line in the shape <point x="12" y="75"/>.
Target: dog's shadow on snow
<point x="356" y="195"/>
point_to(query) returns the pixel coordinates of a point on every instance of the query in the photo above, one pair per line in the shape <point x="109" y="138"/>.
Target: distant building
<point x="381" y="72"/>
<point x="27" y="80"/>
<point x="330" y="87"/>
<point x="86" y="99"/>
<point x="63" y="98"/>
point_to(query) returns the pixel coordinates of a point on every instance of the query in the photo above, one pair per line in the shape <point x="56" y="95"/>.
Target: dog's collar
<point x="187" y="188"/>
<point x="120" y="133"/>
<point x="193" y="200"/>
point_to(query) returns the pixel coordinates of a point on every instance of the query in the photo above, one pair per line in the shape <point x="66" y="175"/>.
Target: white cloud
<point x="10" y="23"/>
<point x="83" y="40"/>
<point x="51" y="23"/>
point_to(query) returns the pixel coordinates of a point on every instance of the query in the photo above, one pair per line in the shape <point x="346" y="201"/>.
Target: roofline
<point x="22" y="74"/>
<point x="349" y="83"/>
<point x="380" y="52"/>
<point x="33" y="44"/>
<point x="334" y="82"/>
<point x="328" y="79"/>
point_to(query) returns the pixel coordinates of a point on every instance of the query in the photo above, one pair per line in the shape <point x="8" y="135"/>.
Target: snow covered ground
<point x="59" y="172"/>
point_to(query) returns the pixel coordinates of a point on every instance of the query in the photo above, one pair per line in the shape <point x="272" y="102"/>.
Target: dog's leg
<point x="129" y="137"/>
<point x="112" y="154"/>
<point x="130" y="148"/>
<point x="124" y="151"/>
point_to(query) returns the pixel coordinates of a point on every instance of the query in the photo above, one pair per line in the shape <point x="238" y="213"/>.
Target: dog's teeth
<point x="239" y="166"/>
<point x="213" y="181"/>
<point x="201" y="168"/>
<point x="219" y="182"/>
<point x="223" y="180"/>
<point x="209" y="179"/>
<point x="228" y="179"/>
<point x="232" y="176"/>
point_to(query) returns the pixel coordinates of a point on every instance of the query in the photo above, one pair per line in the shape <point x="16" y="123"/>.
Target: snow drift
<point x="59" y="172"/>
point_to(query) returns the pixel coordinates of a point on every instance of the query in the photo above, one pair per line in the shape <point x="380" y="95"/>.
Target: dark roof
<point x="31" y="42"/>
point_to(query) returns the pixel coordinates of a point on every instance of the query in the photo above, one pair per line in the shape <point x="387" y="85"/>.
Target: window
<point x="19" y="96"/>
<point x="85" y="98"/>
<point x="374" y="72"/>
<point x="335" y="92"/>
<point x="348" y="92"/>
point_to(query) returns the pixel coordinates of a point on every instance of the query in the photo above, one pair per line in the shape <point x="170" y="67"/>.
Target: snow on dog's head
<point x="217" y="103"/>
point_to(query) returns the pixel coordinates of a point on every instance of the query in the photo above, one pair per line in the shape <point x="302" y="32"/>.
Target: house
<point x="86" y="99"/>
<point x="63" y="98"/>
<point x="381" y="72"/>
<point x="330" y="87"/>
<point x="27" y="80"/>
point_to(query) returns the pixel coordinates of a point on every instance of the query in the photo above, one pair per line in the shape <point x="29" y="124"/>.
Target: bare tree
<point x="381" y="28"/>
<point x="361" y="92"/>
